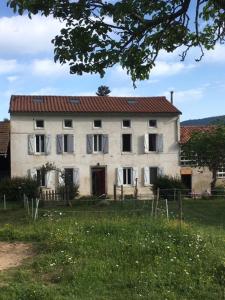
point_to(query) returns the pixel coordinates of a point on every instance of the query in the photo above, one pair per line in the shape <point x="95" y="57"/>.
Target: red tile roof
<point x="187" y="131"/>
<point x="4" y="137"/>
<point x="90" y="104"/>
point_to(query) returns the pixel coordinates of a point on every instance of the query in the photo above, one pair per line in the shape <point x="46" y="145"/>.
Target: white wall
<point x="22" y="125"/>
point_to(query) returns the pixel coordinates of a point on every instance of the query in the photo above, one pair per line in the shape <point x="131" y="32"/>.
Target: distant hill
<point x="205" y="121"/>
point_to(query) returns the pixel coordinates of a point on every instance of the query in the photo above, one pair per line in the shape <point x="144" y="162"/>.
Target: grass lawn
<point x="81" y="253"/>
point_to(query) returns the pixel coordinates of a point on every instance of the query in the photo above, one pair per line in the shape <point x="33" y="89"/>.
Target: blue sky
<point x="27" y="67"/>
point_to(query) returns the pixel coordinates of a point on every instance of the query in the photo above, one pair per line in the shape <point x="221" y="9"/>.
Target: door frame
<point x="91" y="171"/>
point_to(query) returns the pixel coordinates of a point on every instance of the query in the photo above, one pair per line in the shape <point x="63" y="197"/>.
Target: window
<point x="153" y="172"/>
<point x="41" y="177"/>
<point x="152" y="142"/>
<point x="152" y="123"/>
<point x="68" y="176"/>
<point x="39" y="124"/>
<point x="65" y="143"/>
<point x="68" y="124"/>
<point x="126" y="124"/>
<point x="40" y="143"/>
<point x="221" y="172"/>
<point x="126" y="143"/>
<point x="127" y="176"/>
<point x="97" y="143"/>
<point x="97" y="123"/>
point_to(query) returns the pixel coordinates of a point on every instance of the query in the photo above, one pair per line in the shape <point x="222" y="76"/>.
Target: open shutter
<point x="134" y="175"/>
<point x="160" y="143"/>
<point x="76" y="176"/>
<point x="89" y="143"/>
<point x="60" y="178"/>
<point x="47" y="144"/>
<point x="31" y="144"/>
<point x="119" y="176"/>
<point x="59" y="143"/>
<point x="146" y="143"/>
<point x="146" y="176"/>
<point x="32" y="173"/>
<point x="160" y="171"/>
<point x="105" y="143"/>
<point x="50" y="179"/>
<point x="70" y="143"/>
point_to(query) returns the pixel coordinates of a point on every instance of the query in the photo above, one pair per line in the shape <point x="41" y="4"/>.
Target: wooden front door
<point x="98" y="181"/>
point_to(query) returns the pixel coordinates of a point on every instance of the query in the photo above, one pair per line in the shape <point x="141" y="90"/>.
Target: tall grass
<point x="90" y="255"/>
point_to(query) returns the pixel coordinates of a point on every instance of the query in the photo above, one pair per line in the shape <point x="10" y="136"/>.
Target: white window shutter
<point x="146" y="143"/>
<point x="160" y="171"/>
<point x="146" y="176"/>
<point x="50" y="179"/>
<point x="159" y="143"/>
<point x="134" y="175"/>
<point x="119" y="176"/>
<point x="31" y="144"/>
<point x="32" y="173"/>
<point x="76" y="176"/>
<point x="47" y="144"/>
<point x="60" y="179"/>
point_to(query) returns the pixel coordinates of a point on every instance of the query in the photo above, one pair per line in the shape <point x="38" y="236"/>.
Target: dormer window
<point x="39" y="124"/>
<point x="97" y="123"/>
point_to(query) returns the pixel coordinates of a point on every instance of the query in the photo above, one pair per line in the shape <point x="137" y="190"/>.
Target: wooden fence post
<point x="136" y="189"/>
<point x="114" y="192"/>
<point x="121" y="192"/>
<point x="180" y="208"/>
<point x="4" y="202"/>
<point x="167" y="210"/>
<point x="157" y="201"/>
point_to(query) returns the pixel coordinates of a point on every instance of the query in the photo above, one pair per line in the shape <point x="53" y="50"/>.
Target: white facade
<point x="82" y="157"/>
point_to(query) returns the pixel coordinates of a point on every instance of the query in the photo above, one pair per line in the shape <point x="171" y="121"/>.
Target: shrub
<point x="218" y="191"/>
<point x="71" y="191"/>
<point x="167" y="185"/>
<point x="15" y="187"/>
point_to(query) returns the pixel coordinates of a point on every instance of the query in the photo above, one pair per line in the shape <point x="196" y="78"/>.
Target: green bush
<point x="71" y="191"/>
<point x="218" y="191"/>
<point x="167" y="186"/>
<point x="15" y="187"/>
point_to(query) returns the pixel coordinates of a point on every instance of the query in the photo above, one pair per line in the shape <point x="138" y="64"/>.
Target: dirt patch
<point x="12" y="254"/>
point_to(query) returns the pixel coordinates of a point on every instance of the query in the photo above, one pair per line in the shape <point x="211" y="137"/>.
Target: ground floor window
<point x="41" y="177"/>
<point x="153" y="172"/>
<point x="69" y="176"/>
<point x="127" y="176"/>
<point x="221" y="172"/>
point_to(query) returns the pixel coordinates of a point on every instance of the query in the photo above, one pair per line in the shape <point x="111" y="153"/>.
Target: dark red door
<point x="98" y="181"/>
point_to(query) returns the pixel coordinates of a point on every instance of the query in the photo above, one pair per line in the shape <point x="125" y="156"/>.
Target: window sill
<point x="127" y="153"/>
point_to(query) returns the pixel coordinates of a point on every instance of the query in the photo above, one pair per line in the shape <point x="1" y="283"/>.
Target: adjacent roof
<point x="90" y="104"/>
<point x="187" y="131"/>
<point x="4" y="137"/>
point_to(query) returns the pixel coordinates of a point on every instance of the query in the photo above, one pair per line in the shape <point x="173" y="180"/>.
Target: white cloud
<point x="8" y="65"/>
<point x="186" y="95"/>
<point x="45" y="91"/>
<point x="123" y="92"/>
<point x="21" y="35"/>
<point x="12" y="78"/>
<point x="47" y="67"/>
<point x="163" y="68"/>
<point x="217" y="55"/>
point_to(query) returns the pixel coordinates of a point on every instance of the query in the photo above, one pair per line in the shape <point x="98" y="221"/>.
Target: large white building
<point x="96" y="141"/>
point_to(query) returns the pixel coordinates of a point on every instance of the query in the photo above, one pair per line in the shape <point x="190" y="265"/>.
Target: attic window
<point x="132" y="101"/>
<point x="38" y="100"/>
<point x="74" y="100"/>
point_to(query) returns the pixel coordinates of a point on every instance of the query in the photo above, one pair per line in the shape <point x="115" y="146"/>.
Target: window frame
<point x="125" y="120"/>
<point x="131" y="150"/>
<point x="98" y="138"/>
<point x="221" y="173"/>
<point x="157" y="174"/>
<point x="97" y="127"/>
<point x="67" y="127"/>
<point x="125" y="182"/>
<point x="38" y="127"/>
<point x="42" y="178"/>
<point x="154" y="120"/>
<point x="155" y="146"/>
<point x="40" y="143"/>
